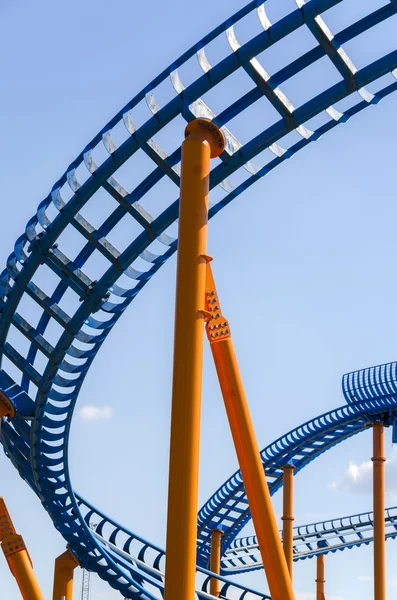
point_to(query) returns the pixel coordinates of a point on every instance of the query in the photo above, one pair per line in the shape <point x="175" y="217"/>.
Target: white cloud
<point x="95" y="413"/>
<point x="358" y="478"/>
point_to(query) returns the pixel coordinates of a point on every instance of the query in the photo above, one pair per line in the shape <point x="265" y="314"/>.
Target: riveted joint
<point x="217" y="327"/>
<point x="90" y="292"/>
<point x="35" y="243"/>
<point x="12" y="544"/>
<point x="36" y="246"/>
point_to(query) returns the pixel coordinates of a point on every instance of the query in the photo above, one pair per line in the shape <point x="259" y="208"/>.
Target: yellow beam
<point x="65" y="565"/>
<point x="215" y="561"/>
<point x="17" y="557"/>
<point x="320" y="581"/>
<point x="378" y="460"/>
<point x="247" y="450"/>
<point x="288" y="515"/>
<point x="204" y="141"/>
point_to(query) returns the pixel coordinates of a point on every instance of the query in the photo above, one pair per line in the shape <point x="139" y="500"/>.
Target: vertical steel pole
<point x="65" y="565"/>
<point x="288" y="514"/>
<point x="204" y="141"/>
<point x="320" y="581"/>
<point x="247" y="449"/>
<point x="378" y="460"/>
<point x="215" y="561"/>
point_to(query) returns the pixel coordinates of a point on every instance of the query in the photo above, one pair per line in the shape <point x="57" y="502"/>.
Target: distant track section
<point x="309" y="540"/>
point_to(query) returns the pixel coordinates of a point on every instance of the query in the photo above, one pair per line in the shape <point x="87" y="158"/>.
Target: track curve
<point x="78" y="296"/>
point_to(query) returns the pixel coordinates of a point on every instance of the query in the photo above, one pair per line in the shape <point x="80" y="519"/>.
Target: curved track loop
<point x="67" y="283"/>
<point x="310" y="540"/>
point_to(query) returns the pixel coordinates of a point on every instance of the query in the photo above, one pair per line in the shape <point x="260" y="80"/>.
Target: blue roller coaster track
<point x="310" y="540"/>
<point x="79" y="290"/>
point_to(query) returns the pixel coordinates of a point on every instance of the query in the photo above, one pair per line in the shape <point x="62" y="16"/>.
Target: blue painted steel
<point x="85" y="291"/>
<point x="310" y="540"/>
<point x="229" y="506"/>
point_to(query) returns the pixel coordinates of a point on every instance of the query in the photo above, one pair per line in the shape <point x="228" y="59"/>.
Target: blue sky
<point x="312" y="246"/>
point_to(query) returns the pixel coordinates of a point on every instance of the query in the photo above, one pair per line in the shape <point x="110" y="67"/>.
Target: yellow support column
<point x="204" y="141"/>
<point x="215" y="561"/>
<point x="378" y="460"/>
<point x="288" y="515"/>
<point x="247" y="450"/>
<point x="17" y="557"/>
<point x="65" y="565"/>
<point x="320" y="581"/>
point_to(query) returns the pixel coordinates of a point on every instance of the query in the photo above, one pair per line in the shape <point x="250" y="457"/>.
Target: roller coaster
<point x="80" y="289"/>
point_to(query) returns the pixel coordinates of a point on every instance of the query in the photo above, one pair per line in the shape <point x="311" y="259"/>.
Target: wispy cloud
<point x="95" y="413"/>
<point x="358" y="477"/>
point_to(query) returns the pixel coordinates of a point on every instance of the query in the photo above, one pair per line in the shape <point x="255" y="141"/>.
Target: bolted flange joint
<point x="206" y="130"/>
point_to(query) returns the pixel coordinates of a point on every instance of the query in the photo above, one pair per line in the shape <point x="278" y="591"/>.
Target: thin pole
<point x="215" y="561"/>
<point x="320" y="581"/>
<point x="288" y="515"/>
<point x="246" y="446"/>
<point x="204" y="141"/>
<point x="378" y="460"/>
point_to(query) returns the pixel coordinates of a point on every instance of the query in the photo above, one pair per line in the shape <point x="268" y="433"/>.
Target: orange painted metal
<point x="215" y="561"/>
<point x="288" y="515"/>
<point x="378" y="460"/>
<point x="247" y="450"/>
<point x="6" y="408"/>
<point x="204" y="141"/>
<point x="65" y="565"/>
<point x="320" y="581"/>
<point x="17" y="557"/>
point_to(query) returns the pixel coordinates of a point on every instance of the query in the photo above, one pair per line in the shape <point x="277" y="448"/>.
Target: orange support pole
<point x="288" y="515"/>
<point x="204" y="141"/>
<point x="320" y="581"/>
<point x="65" y="565"/>
<point x="247" y="450"/>
<point x="378" y="460"/>
<point x="215" y="561"/>
<point x="17" y="557"/>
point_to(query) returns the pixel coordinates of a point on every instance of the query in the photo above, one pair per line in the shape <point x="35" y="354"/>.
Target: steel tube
<point x="378" y="460"/>
<point x="204" y="141"/>
<point x="65" y="565"/>
<point x="288" y="515"/>
<point x="251" y="467"/>
<point x="320" y="581"/>
<point x="215" y="561"/>
<point x="22" y="569"/>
